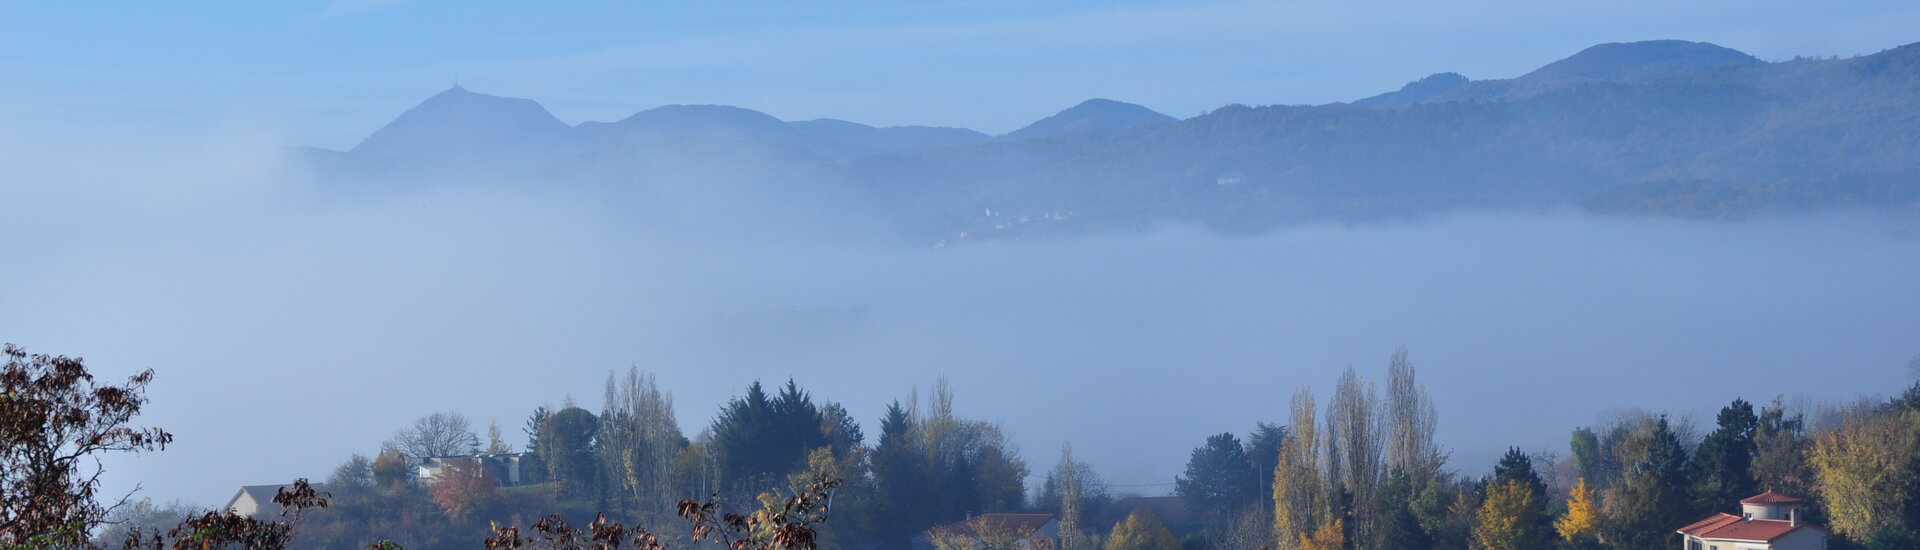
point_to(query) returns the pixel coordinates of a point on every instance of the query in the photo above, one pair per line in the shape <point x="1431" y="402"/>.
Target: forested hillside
<point x="1736" y="140"/>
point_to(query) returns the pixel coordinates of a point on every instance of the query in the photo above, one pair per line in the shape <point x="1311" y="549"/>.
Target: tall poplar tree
<point x="1411" y="420"/>
<point x="1067" y="472"/>
<point x="1353" y="456"/>
<point x="1299" y="502"/>
<point x="639" y="440"/>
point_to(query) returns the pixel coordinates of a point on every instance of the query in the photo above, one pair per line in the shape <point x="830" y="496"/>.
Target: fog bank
<point x="290" y="329"/>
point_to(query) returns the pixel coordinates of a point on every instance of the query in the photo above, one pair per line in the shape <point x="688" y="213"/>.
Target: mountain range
<point x="1663" y="128"/>
<point x="459" y="123"/>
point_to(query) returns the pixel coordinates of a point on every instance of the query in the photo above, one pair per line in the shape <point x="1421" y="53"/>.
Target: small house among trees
<point x="1767" y="521"/>
<point x="255" y="501"/>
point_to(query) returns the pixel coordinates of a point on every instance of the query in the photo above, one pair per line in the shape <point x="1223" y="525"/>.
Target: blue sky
<point x="327" y="73"/>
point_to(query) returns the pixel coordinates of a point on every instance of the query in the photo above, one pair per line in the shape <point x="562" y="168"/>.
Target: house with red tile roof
<point x="1767" y="521"/>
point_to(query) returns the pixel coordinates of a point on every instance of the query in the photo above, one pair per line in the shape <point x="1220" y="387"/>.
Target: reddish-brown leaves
<point x="53" y="417"/>
<point x="230" y="530"/>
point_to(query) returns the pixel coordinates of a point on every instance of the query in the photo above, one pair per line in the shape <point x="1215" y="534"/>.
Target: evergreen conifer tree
<point x="1723" y="465"/>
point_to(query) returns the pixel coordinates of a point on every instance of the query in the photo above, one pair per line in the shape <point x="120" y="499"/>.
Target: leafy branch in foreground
<point x="230" y="530"/>
<point x="54" y="419"/>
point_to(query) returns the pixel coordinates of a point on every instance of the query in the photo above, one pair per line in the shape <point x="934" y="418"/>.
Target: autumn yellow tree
<point x="1330" y="536"/>
<point x="1865" y="472"/>
<point x="1298" y="491"/>
<point x="854" y="504"/>
<point x="1141" y="530"/>
<point x="390" y="470"/>
<point x="1577" y="528"/>
<point x="985" y="533"/>
<point x="1506" y="520"/>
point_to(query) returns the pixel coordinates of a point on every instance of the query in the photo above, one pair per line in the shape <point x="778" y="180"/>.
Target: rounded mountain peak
<point x="1639" y="61"/>
<point x="1090" y="116"/>
<point x="701" y="117"/>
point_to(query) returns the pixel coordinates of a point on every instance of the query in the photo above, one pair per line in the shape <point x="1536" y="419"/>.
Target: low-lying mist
<point x="291" y="330"/>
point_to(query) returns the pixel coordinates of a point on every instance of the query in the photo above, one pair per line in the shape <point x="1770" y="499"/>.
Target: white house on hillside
<point x="505" y="466"/>
<point x="1767" y="521"/>
<point x="255" y="501"/>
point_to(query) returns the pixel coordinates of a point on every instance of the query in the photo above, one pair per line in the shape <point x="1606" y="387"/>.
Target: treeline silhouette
<point x="1360" y="472"/>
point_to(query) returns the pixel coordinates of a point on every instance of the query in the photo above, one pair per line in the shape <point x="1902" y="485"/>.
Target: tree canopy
<point x="437" y="434"/>
<point x="1219" y="479"/>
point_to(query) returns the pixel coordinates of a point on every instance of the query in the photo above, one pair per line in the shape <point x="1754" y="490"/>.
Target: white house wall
<point x="1802" y="539"/>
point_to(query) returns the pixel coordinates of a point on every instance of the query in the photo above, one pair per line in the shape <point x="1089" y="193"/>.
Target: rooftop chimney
<point x="1793" y="516"/>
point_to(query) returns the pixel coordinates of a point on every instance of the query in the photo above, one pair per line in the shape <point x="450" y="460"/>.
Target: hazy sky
<point x="327" y="73"/>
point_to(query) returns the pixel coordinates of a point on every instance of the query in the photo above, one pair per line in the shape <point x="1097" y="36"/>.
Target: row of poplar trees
<point x="1366" y="475"/>
<point x="1351" y="479"/>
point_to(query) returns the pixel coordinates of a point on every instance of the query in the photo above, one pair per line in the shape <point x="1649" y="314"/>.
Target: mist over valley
<point x="1638" y="229"/>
